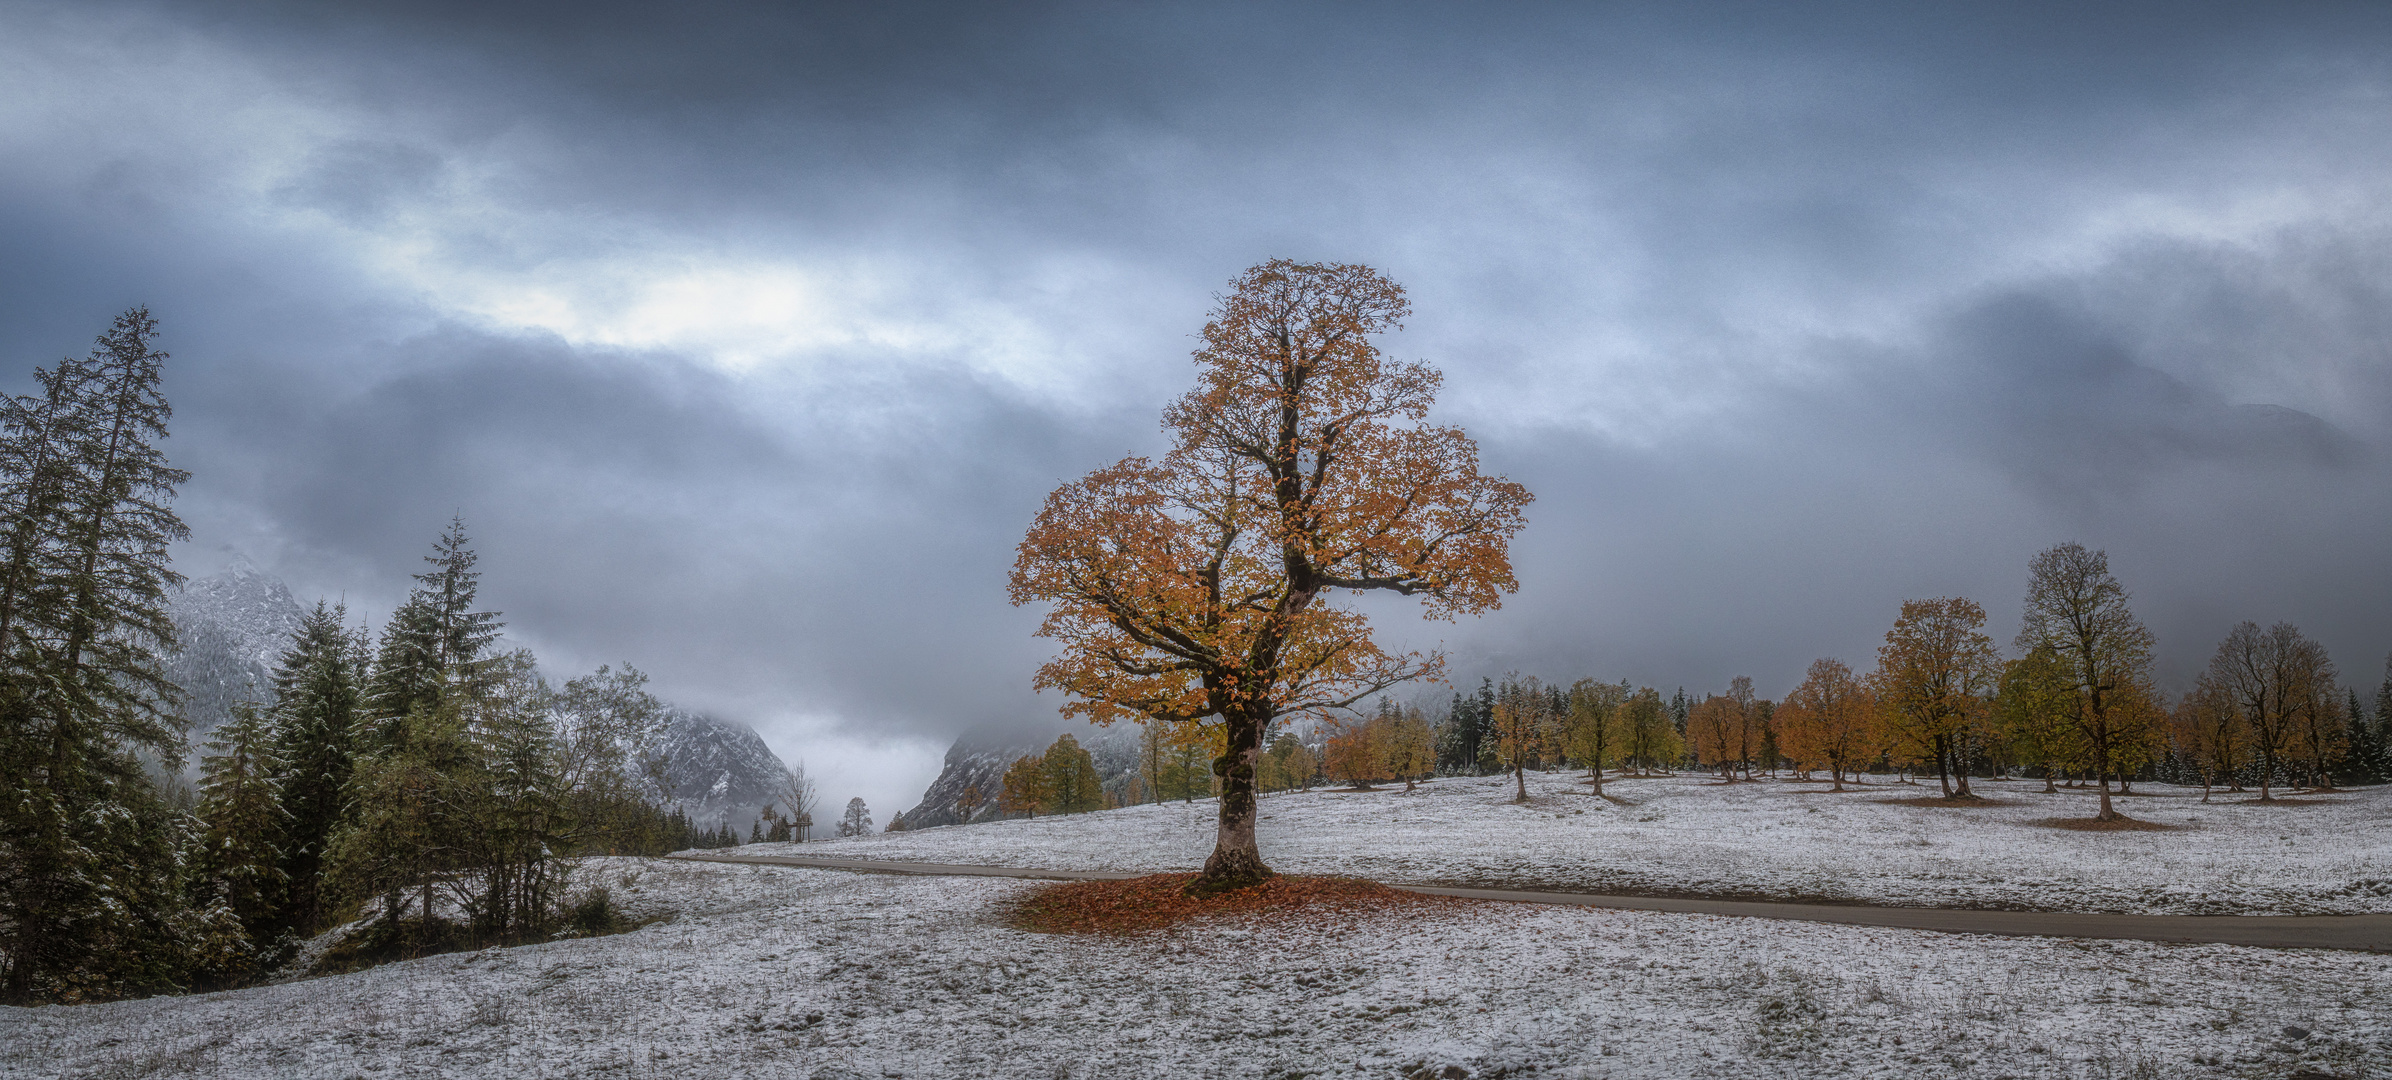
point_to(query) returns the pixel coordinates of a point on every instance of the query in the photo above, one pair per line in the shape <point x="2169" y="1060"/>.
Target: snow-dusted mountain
<point x="980" y="759"/>
<point x="719" y="772"/>
<point x="234" y="626"/>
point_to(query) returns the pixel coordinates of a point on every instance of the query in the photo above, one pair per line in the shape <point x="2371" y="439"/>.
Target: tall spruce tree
<point x="89" y="885"/>
<point x="238" y="859"/>
<point x="318" y="698"/>
<point x="417" y="770"/>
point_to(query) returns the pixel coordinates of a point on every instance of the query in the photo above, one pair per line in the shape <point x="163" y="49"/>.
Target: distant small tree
<point x="2033" y="707"/>
<point x="969" y="802"/>
<point x="1524" y="729"/>
<point x="799" y="794"/>
<point x="1188" y="768"/>
<point x="1411" y="747"/>
<point x="1715" y="724"/>
<point x="1934" y="675"/>
<point x="1592" y="732"/>
<point x="771" y="827"/>
<point x="2209" y="732"/>
<point x="1069" y="779"/>
<point x="2274" y="677"/>
<point x="2323" y="732"/>
<point x="1287" y="764"/>
<point x="2077" y="610"/>
<point x="1355" y="752"/>
<point x="857" y="821"/>
<point x="1154" y="755"/>
<point x="1650" y="735"/>
<point x="1827" y="721"/>
<point x="1025" y="787"/>
<point x="896" y="822"/>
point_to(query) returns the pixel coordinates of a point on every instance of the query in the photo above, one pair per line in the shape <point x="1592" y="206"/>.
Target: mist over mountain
<point x="233" y="626"/>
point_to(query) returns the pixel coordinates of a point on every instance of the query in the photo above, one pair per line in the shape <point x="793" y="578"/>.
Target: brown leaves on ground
<point x="1951" y="802"/>
<point x="1159" y="901"/>
<point x="2116" y="824"/>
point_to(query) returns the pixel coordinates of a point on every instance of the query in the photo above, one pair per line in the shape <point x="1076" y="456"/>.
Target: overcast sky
<point x="747" y="338"/>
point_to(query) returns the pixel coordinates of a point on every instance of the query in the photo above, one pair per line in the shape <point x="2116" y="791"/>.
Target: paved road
<point x="2371" y="933"/>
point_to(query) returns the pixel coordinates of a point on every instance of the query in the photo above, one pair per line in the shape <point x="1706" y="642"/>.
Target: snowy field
<point x="1690" y="835"/>
<point x="779" y="972"/>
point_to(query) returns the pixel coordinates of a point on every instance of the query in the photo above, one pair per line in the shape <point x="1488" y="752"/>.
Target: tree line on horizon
<point x="426" y="779"/>
<point x="2077" y="703"/>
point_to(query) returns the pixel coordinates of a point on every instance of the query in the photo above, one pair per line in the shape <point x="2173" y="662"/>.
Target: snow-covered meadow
<point x="1691" y="835"/>
<point x="783" y="972"/>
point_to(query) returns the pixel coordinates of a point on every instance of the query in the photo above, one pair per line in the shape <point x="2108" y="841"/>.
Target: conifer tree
<point x="517" y="819"/>
<point x="318" y="691"/>
<point x="238" y="861"/>
<point x="436" y="641"/>
<point x="2365" y="760"/>
<point x="414" y="789"/>
<point x="88" y="879"/>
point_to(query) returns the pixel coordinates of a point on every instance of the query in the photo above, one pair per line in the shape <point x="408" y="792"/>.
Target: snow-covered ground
<point x="780" y="972"/>
<point x="1690" y="835"/>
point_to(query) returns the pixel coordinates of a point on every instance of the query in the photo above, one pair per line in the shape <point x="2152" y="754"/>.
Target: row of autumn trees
<point x="2077" y="699"/>
<point x="426" y="772"/>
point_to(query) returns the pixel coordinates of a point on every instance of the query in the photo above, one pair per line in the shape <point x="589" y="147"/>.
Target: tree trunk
<point x="1520" y="775"/>
<point x="2101" y="772"/>
<point x="1943" y="771"/>
<point x="1236" y="862"/>
<point x="2048" y="774"/>
<point x="1598" y="781"/>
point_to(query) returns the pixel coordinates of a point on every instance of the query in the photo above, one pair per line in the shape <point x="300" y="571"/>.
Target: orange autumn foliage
<point x="1829" y="720"/>
<point x="1196" y="586"/>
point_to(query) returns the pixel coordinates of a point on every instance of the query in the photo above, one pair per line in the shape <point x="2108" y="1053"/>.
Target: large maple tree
<point x="1196" y="589"/>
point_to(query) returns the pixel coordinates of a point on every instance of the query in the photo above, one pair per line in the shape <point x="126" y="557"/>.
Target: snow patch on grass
<point x="772" y="971"/>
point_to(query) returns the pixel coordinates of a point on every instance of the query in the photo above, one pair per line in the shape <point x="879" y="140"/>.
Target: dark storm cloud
<point x="767" y="562"/>
<point x="1787" y="313"/>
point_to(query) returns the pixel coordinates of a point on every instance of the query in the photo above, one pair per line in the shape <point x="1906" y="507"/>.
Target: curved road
<point x="2369" y="933"/>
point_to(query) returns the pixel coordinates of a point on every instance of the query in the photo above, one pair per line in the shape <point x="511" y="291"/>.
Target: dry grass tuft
<point x="1159" y="901"/>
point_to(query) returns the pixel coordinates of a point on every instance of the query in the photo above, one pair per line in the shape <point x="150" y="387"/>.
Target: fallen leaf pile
<point x="1138" y="905"/>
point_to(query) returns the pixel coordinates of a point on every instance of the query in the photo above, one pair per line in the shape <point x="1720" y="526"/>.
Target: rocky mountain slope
<point x="719" y="772"/>
<point x="979" y="760"/>
<point x="234" y="626"/>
